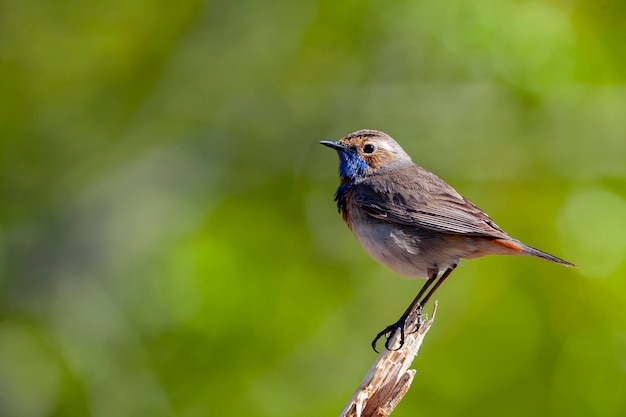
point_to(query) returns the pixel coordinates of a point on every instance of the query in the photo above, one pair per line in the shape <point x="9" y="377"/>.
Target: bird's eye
<point x="369" y="148"/>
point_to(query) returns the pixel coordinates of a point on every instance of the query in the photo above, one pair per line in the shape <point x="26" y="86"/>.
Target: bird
<point x="410" y="220"/>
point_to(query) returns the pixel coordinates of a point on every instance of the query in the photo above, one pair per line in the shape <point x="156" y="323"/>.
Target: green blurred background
<point x="168" y="241"/>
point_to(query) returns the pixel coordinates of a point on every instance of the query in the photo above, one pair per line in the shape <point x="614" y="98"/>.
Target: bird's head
<point x="365" y="152"/>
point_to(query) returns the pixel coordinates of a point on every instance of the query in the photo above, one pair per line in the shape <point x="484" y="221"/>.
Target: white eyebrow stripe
<point x="385" y="146"/>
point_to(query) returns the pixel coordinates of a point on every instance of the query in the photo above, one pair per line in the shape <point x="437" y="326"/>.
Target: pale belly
<point x="409" y="252"/>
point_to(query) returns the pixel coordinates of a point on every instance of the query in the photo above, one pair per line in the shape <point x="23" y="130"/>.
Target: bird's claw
<point x="390" y="330"/>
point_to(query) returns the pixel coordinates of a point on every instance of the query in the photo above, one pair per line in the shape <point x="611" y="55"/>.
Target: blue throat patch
<point x="351" y="167"/>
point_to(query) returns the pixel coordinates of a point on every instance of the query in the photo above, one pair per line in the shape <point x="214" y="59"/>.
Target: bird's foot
<point x="390" y="330"/>
<point x="418" y="319"/>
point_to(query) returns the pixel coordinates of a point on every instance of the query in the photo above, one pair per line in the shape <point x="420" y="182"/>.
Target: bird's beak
<point x="335" y="145"/>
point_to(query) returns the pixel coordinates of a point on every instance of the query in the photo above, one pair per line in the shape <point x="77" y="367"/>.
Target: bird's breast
<point x="345" y="210"/>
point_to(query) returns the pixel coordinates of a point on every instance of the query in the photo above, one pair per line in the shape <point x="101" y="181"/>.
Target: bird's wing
<point x="421" y="199"/>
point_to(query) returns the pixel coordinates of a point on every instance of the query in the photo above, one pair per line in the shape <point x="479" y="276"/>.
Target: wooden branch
<point x="389" y="378"/>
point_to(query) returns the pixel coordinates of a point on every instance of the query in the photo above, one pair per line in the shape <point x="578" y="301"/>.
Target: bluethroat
<point x="410" y="220"/>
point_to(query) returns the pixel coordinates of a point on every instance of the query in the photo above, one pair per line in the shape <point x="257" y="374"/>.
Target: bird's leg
<point x="418" y="304"/>
<point x="432" y="291"/>
<point x="423" y="302"/>
<point x="399" y="325"/>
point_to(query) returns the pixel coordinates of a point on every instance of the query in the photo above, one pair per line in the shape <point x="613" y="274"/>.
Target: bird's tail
<point x="529" y="250"/>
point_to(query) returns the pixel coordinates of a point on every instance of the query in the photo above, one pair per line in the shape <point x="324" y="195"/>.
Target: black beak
<point x="335" y="145"/>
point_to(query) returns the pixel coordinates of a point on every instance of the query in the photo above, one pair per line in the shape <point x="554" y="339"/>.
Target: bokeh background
<point x="168" y="241"/>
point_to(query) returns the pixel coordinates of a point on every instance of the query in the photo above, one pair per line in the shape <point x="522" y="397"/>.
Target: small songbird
<point x="410" y="220"/>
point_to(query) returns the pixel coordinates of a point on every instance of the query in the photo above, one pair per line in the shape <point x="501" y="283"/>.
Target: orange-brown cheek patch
<point x="375" y="161"/>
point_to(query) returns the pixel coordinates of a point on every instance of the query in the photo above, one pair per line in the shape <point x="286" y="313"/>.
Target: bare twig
<point x="389" y="378"/>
